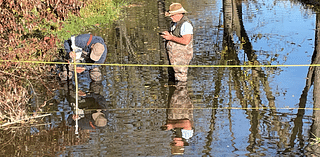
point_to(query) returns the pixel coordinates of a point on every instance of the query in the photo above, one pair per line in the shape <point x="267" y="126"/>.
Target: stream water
<point x="233" y="111"/>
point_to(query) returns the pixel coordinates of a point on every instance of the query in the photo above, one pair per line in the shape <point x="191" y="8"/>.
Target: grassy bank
<point x="95" y="13"/>
<point x="33" y="31"/>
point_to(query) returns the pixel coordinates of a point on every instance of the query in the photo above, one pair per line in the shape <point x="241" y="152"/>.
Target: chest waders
<point x="180" y="54"/>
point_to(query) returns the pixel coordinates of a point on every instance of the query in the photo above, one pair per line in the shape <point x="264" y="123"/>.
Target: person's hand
<point x="72" y="55"/>
<point x="167" y="35"/>
<point x="169" y="126"/>
<point x="75" y="117"/>
<point x="80" y="69"/>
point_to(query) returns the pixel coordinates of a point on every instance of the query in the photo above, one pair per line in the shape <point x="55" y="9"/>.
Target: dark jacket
<point x="81" y="41"/>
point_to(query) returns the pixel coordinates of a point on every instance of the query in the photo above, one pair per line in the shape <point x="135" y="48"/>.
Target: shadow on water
<point x="221" y="111"/>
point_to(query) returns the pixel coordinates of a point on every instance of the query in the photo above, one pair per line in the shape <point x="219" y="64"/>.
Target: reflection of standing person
<point x="180" y="118"/>
<point x="94" y="50"/>
<point x="179" y="41"/>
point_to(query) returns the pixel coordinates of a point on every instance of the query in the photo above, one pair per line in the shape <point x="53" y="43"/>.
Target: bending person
<point x="94" y="50"/>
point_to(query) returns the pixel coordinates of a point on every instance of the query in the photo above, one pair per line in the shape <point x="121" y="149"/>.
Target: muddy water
<point x="233" y="111"/>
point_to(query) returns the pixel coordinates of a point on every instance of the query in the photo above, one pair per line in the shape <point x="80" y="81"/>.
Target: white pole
<point x="77" y="109"/>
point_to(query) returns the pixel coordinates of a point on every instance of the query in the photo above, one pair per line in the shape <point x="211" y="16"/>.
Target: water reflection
<point x="313" y="75"/>
<point x="261" y="118"/>
<point x="91" y="113"/>
<point x="180" y="118"/>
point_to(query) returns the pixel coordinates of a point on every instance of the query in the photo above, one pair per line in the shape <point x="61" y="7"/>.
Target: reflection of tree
<point x="312" y="77"/>
<point x="217" y="90"/>
<point x="163" y="26"/>
<point x="249" y="83"/>
<point x="123" y="38"/>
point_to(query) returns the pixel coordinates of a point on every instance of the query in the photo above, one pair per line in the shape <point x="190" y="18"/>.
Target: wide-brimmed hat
<point x="99" y="119"/>
<point x="175" y="8"/>
<point x="97" y="51"/>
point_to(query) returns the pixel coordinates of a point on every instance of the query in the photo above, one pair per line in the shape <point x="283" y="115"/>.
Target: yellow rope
<point x="148" y="65"/>
<point x="198" y="108"/>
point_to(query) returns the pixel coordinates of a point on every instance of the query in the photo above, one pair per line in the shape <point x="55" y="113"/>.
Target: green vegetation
<point x="96" y="13"/>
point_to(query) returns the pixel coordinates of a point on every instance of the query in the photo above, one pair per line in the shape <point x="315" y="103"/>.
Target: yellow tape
<point x="223" y="108"/>
<point x="146" y="65"/>
<point x="198" y="108"/>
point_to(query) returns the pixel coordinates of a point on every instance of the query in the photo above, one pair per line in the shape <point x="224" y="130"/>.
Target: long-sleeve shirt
<point x="81" y="41"/>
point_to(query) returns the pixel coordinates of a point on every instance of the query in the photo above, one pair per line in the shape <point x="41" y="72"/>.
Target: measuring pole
<point x="77" y="109"/>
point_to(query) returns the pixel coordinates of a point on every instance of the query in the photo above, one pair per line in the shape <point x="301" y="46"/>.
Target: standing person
<point x="94" y="50"/>
<point x="179" y="41"/>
